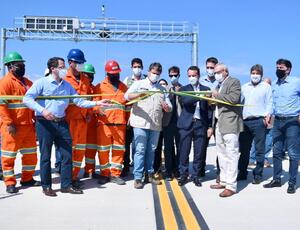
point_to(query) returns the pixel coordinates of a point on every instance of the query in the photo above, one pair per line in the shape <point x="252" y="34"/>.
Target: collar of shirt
<point x="286" y="80"/>
<point x="208" y="79"/>
<point x="51" y="79"/>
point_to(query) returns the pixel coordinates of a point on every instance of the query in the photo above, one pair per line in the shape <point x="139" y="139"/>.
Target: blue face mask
<point x="174" y="80"/>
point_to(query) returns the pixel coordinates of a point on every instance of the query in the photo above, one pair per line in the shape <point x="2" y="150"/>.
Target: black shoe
<point x="197" y="182"/>
<point x="103" y="179"/>
<point x="256" y="180"/>
<point x="176" y="174"/>
<point x="291" y="189"/>
<point x="138" y="184"/>
<point x="77" y="184"/>
<point x="125" y="171"/>
<point x="31" y="183"/>
<point x="168" y="177"/>
<point x="71" y="190"/>
<point x="241" y="176"/>
<point x="272" y="184"/>
<point x="202" y="174"/>
<point x="117" y="180"/>
<point x="49" y="192"/>
<point x="11" y="189"/>
<point x="1" y="173"/>
<point x="182" y="181"/>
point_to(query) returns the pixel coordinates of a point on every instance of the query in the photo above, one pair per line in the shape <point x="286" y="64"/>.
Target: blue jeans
<point x="145" y="141"/>
<point x="57" y="132"/>
<point x="268" y="146"/>
<point x="286" y="131"/>
<point x="57" y="160"/>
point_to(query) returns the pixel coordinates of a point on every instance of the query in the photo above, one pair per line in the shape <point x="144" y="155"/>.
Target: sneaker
<point x="117" y="180"/>
<point x="138" y="184"/>
<point x="31" y="183"/>
<point x="103" y="179"/>
<point x="152" y="179"/>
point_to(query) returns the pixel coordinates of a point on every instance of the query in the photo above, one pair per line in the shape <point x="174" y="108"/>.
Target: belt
<point x="195" y="119"/>
<point x="252" y="118"/>
<point x="57" y="119"/>
<point x="285" y="117"/>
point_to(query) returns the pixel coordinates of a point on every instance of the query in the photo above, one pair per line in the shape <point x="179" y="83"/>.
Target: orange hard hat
<point x="112" y="67"/>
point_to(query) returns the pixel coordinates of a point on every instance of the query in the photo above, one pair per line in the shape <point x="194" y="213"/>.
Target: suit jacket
<point x="188" y="105"/>
<point x="230" y="117"/>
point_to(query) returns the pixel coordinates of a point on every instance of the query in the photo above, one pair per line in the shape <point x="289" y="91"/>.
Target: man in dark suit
<point x="194" y="124"/>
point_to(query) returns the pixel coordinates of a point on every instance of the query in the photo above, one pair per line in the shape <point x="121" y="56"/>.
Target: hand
<point x="101" y="111"/>
<point x="177" y="88"/>
<point x="165" y="106"/>
<point x="209" y="132"/>
<point x="214" y="93"/>
<point x="11" y="129"/>
<point x="267" y="120"/>
<point x="104" y="103"/>
<point x="48" y="115"/>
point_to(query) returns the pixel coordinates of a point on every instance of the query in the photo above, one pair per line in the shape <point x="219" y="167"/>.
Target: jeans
<point x="57" y="132"/>
<point x="268" y="147"/>
<point x="57" y="160"/>
<point x="145" y="141"/>
<point x="286" y="131"/>
<point x="253" y="130"/>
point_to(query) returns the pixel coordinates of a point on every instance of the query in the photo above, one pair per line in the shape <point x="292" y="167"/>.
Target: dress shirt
<point x="286" y="97"/>
<point x="205" y="80"/>
<point x="259" y="98"/>
<point x="47" y="86"/>
<point x="197" y="109"/>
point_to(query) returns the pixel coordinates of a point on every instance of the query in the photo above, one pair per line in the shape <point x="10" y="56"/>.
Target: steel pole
<point x="195" y="49"/>
<point x="3" y="50"/>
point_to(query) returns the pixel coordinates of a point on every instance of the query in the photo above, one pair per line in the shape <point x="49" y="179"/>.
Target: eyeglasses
<point x="174" y="75"/>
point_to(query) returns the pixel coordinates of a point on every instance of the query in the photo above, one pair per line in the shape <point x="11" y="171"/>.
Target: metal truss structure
<point x="105" y="29"/>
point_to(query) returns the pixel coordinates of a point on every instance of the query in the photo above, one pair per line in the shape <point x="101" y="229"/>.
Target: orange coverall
<point x="77" y="119"/>
<point x="14" y="112"/>
<point x="111" y="129"/>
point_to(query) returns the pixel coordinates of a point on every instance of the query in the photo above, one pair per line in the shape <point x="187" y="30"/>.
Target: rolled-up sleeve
<point x="80" y="102"/>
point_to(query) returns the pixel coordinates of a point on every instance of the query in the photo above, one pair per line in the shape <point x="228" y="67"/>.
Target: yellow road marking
<point x="166" y="208"/>
<point x="186" y="212"/>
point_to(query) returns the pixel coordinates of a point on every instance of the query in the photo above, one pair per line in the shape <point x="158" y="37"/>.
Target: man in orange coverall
<point x="77" y="117"/>
<point x="17" y="129"/>
<point x="111" y="125"/>
<point x="91" y="144"/>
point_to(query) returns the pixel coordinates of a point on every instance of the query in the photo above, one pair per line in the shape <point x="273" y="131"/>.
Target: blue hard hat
<point x="76" y="55"/>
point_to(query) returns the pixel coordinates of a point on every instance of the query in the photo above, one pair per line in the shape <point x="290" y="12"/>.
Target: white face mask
<point x="210" y="72"/>
<point x="79" y="67"/>
<point x="137" y="71"/>
<point x="174" y="80"/>
<point x="219" y="77"/>
<point x="62" y="73"/>
<point x="255" y="78"/>
<point x="154" y="77"/>
<point x="193" y="80"/>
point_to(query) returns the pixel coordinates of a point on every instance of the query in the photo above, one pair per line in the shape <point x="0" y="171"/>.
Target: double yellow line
<point x="176" y="209"/>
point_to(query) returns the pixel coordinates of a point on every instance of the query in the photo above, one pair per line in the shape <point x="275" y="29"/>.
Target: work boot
<point x="125" y="171"/>
<point x="77" y="184"/>
<point x="152" y="179"/>
<point x="138" y="184"/>
<point x="103" y="179"/>
<point x="1" y="173"/>
<point x="117" y="180"/>
<point x="11" y="189"/>
<point x="31" y="183"/>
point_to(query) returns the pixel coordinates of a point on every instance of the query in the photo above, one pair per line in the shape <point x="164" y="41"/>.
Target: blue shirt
<point x="286" y="97"/>
<point x="207" y="82"/>
<point x="47" y="86"/>
<point x="259" y="98"/>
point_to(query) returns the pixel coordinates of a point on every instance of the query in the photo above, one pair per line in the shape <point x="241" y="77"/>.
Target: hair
<point x="155" y="65"/>
<point x="212" y="59"/>
<point x="53" y="62"/>
<point x="163" y="81"/>
<point x="193" y="67"/>
<point x="258" y="68"/>
<point x="224" y="67"/>
<point x="137" y="60"/>
<point x="285" y="62"/>
<point x="174" y="69"/>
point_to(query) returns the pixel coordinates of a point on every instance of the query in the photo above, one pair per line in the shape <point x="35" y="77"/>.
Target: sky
<point x="239" y="33"/>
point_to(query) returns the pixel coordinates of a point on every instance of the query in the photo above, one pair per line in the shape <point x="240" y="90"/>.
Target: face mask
<point x="210" y="72"/>
<point x="113" y="78"/>
<point x="280" y="73"/>
<point x="154" y="77"/>
<point x="219" y="77"/>
<point x="62" y="73"/>
<point x="79" y="67"/>
<point x="174" y="80"/>
<point x="137" y="71"/>
<point x="255" y="78"/>
<point x="19" y="70"/>
<point x="193" y="80"/>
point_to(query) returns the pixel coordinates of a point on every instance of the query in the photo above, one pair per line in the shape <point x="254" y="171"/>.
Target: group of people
<point x="128" y="123"/>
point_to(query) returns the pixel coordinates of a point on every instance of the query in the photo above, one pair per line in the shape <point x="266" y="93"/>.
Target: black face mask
<point x="19" y="70"/>
<point x="280" y="73"/>
<point x="113" y="78"/>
